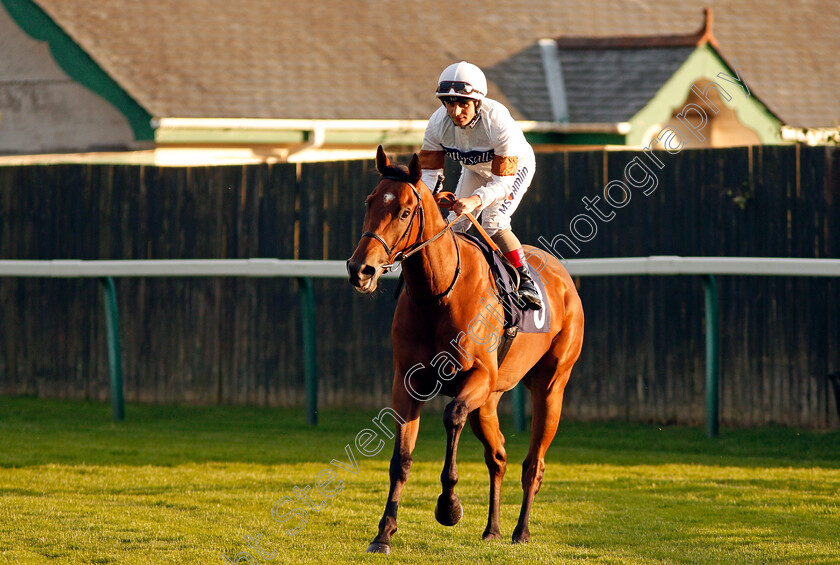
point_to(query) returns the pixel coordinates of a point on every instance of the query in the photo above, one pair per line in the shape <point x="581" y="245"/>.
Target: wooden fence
<point x="238" y="340"/>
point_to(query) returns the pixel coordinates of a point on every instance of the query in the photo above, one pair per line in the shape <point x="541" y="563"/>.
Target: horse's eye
<point x="405" y="214"/>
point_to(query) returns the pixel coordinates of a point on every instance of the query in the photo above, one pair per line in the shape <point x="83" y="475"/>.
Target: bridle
<point x="401" y="255"/>
<point x="409" y="250"/>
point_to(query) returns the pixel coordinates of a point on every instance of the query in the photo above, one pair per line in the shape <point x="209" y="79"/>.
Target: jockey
<point x="497" y="163"/>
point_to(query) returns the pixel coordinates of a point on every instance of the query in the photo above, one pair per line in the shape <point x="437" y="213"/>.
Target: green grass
<point x="187" y="484"/>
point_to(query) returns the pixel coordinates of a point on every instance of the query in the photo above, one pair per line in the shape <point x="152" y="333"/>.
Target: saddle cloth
<point x="527" y="321"/>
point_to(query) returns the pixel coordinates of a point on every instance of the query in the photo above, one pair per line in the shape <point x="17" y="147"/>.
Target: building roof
<point x="368" y="59"/>
<point x="603" y="79"/>
<point x="602" y="85"/>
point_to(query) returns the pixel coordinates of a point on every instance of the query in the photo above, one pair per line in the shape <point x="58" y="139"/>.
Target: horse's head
<point x="394" y="222"/>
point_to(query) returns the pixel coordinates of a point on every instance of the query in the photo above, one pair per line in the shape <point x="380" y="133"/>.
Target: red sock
<point x="516" y="257"/>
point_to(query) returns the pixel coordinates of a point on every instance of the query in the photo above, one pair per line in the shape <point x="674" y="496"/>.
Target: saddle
<point x="517" y="317"/>
<point x="507" y="281"/>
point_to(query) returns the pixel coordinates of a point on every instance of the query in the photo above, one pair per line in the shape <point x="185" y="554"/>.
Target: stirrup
<point x="531" y="300"/>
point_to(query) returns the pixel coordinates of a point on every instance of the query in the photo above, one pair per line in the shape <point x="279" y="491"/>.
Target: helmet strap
<point x="477" y="105"/>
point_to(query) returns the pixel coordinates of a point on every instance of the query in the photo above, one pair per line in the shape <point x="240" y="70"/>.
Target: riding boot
<point x="528" y="290"/>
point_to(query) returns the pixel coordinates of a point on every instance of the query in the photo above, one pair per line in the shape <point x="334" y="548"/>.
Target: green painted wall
<point x="74" y="61"/>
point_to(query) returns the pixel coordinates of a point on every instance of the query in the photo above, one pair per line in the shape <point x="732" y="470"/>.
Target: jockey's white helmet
<point x="463" y="80"/>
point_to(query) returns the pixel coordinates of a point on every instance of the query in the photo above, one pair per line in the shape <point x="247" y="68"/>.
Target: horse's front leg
<point x="406" y="438"/>
<point x="473" y="394"/>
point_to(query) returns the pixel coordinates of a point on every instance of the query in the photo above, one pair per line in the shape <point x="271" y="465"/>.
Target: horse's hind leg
<point x="547" y="399"/>
<point x="485" y="425"/>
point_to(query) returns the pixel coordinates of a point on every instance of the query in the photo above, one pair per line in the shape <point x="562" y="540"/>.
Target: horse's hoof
<point x="448" y="510"/>
<point x="523" y="536"/>
<point x="379" y="547"/>
<point x="490" y="535"/>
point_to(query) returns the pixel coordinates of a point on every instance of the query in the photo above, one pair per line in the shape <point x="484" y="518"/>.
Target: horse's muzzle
<point x="363" y="277"/>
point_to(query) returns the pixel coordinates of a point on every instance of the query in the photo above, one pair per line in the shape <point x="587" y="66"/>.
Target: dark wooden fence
<point x="238" y="341"/>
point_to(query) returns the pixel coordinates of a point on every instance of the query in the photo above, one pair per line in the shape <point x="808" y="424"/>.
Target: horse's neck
<point x="430" y="272"/>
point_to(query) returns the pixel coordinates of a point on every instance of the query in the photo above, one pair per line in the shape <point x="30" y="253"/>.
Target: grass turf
<point x="176" y="484"/>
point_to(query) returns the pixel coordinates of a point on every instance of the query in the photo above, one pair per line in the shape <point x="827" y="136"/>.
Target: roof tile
<point x="371" y="59"/>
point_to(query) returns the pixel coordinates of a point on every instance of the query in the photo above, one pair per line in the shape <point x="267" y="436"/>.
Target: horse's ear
<point x="382" y="160"/>
<point x="414" y="171"/>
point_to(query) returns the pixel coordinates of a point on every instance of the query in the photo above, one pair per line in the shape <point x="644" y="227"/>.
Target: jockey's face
<point x="461" y="110"/>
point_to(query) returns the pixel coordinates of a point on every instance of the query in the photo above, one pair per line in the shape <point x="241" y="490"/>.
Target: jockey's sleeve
<point x="503" y="174"/>
<point x="431" y="165"/>
<point x="503" y="168"/>
<point x="431" y="154"/>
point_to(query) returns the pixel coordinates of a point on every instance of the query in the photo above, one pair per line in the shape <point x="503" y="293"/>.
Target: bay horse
<point x="440" y="334"/>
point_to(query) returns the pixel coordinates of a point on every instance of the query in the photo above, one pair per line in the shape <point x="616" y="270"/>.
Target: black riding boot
<point x="528" y="290"/>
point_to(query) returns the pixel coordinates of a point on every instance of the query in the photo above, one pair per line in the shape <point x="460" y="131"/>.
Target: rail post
<point x="112" y="325"/>
<point x="712" y="360"/>
<point x="310" y="372"/>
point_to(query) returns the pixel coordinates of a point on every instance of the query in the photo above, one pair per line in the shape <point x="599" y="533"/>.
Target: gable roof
<point x="601" y="79"/>
<point x="602" y="85"/>
<point x="612" y="85"/>
<point x="358" y="59"/>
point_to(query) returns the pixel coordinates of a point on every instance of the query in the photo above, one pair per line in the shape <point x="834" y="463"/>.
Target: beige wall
<point x="722" y="129"/>
<point x="42" y="110"/>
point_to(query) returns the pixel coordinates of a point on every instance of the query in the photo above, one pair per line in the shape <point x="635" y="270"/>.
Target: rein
<point x="377" y="237"/>
<point x="444" y="199"/>
<point x="410" y="250"/>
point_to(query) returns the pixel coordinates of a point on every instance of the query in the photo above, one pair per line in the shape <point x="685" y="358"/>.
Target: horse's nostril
<point x="368" y="270"/>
